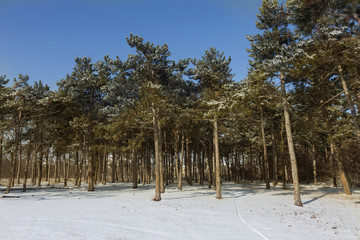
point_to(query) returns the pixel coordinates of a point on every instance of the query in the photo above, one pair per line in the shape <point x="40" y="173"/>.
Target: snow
<point x="116" y="211"/>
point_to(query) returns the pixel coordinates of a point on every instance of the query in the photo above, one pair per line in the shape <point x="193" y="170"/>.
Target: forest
<point x="294" y="119"/>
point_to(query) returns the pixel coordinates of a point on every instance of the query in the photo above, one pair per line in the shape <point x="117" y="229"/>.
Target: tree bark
<point x="294" y="169"/>
<point x="91" y="168"/>
<point x="188" y="162"/>
<point x="275" y="159"/>
<point x="134" y="169"/>
<point x="217" y="160"/>
<point x="104" y="171"/>
<point x="157" y="155"/>
<point x="350" y="102"/>
<point x="12" y="174"/>
<point x="113" y="168"/>
<point x="176" y="153"/>
<point x="27" y="161"/>
<point x="335" y="152"/>
<point x="39" y="165"/>
<point x="266" y="161"/>
<point x="65" y="171"/>
<point x="181" y="161"/>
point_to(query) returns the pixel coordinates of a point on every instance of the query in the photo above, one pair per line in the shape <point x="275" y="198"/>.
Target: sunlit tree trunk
<point x="134" y="164"/>
<point x="266" y="161"/>
<point x="181" y="161"/>
<point x="161" y="160"/>
<point x="350" y="103"/>
<point x="275" y="158"/>
<point x="217" y="160"/>
<point x="335" y="152"/>
<point x="294" y="169"/>
<point x="157" y="155"/>
<point x="27" y="161"/>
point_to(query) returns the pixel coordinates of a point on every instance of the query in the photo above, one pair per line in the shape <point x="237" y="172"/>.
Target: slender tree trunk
<point x="19" y="157"/>
<point x="104" y="171"/>
<point x="335" y="152"/>
<point x="181" y="161"/>
<point x="39" y="171"/>
<point x="65" y="171"/>
<point x="161" y="160"/>
<point x="297" y="199"/>
<point x="266" y="160"/>
<point x="113" y="168"/>
<point x="209" y="165"/>
<point x="77" y="170"/>
<point x="252" y="167"/>
<point x="33" y="167"/>
<point x="143" y="166"/>
<point x="56" y="170"/>
<point x="333" y="167"/>
<point x="217" y="160"/>
<point x="176" y="153"/>
<point x="201" y="167"/>
<point x="91" y="169"/>
<point x="12" y="174"/>
<point x="27" y="161"/>
<point x="134" y="169"/>
<point x="313" y="158"/>
<point x="350" y="103"/>
<point x="275" y="158"/>
<point x="188" y="162"/>
<point x="158" y="158"/>
<point x="48" y="168"/>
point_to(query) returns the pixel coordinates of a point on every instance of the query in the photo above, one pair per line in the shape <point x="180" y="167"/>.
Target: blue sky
<point x="42" y="37"/>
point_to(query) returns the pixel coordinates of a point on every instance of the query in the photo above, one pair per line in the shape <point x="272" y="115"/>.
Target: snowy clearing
<point x="116" y="211"/>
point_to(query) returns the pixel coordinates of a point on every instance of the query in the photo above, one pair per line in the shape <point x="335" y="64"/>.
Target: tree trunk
<point x="65" y="171"/>
<point x="209" y="164"/>
<point x="181" y="161"/>
<point x="275" y="158"/>
<point x="104" y="171"/>
<point x="335" y="152"/>
<point x="48" y="168"/>
<point x="294" y="169"/>
<point x="217" y="160"/>
<point x="350" y="103"/>
<point x="176" y="153"/>
<point x="188" y="162"/>
<point x="134" y="169"/>
<point x="157" y="155"/>
<point x="27" y="161"/>
<point x="91" y="168"/>
<point x="113" y="168"/>
<point x="313" y="158"/>
<point x="266" y="161"/>
<point x="39" y="165"/>
<point x="12" y="174"/>
<point x="161" y="159"/>
<point x="19" y="161"/>
<point x="333" y="167"/>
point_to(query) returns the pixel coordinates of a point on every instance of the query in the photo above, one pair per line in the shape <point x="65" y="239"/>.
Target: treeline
<point x="293" y="119"/>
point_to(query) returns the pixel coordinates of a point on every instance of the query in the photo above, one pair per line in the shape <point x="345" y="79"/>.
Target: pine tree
<point x="274" y="52"/>
<point x="213" y="72"/>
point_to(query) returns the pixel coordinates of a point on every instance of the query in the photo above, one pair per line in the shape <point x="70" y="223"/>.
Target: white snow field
<point x="116" y="211"/>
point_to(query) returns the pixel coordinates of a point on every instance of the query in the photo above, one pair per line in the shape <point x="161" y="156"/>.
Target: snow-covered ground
<point x="116" y="211"/>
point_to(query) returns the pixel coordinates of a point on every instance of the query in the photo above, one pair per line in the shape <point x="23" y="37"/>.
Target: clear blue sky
<point x="42" y="37"/>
